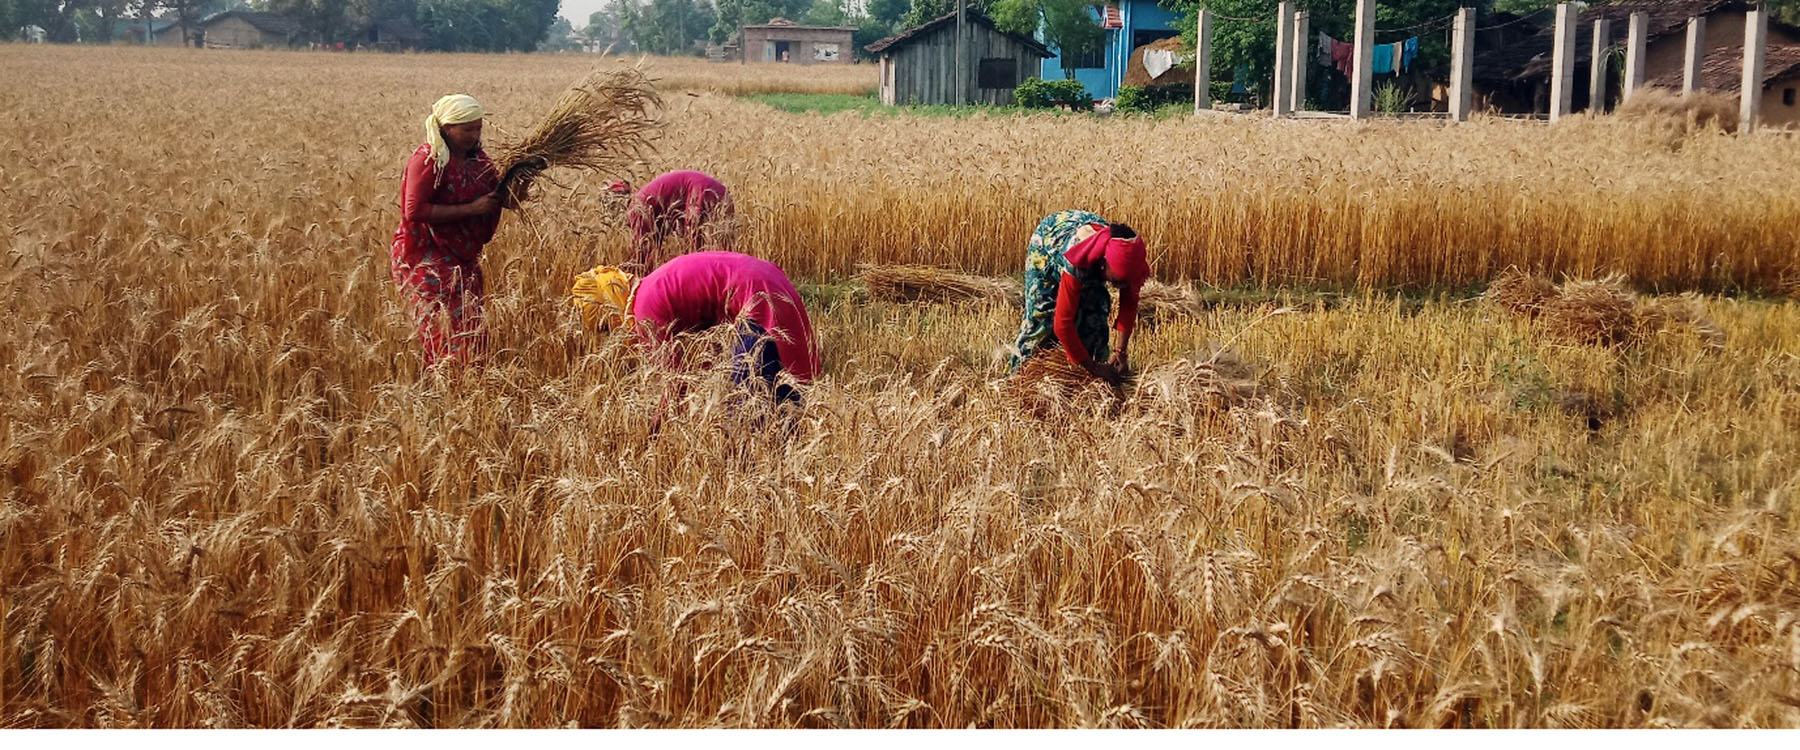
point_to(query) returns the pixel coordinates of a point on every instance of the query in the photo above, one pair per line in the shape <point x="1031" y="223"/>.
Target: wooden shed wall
<point x="924" y="70"/>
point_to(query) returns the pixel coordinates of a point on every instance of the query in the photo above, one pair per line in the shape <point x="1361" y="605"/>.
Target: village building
<point x="392" y="35"/>
<point x="1512" y="76"/>
<point x="1129" y="25"/>
<point x="918" y="66"/>
<point x="245" y="29"/>
<point x="781" y="40"/>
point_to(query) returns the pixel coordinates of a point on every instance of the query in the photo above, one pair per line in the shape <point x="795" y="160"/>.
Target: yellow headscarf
<point x="454" y="109"/>
<point x="604" y="295"/>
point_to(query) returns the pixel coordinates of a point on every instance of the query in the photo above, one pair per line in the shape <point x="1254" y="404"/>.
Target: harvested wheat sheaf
<point x="1591" y="312"/>
<point x="602" y="124"/>
<point x="1212" y="380"/>
<point x="1520" y="292"/>
<point x="933" y="284"/>
<point x="1669" y="313"/>
<point x="1601" y="311"/>
<point x="1048" y="384"/>
<point x="1159" y="302"/>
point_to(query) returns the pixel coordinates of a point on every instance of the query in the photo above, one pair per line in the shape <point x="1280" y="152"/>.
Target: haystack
<point x="601" y="124"/>
<point x="1674" y="313"/>
<point x="1159" y="302"/>
<point x="1591" y="312"/>
<point x="1048" y="384"/>
<point x="933" y="284"/>
<point x="1520" y="292"/>
<point x="1179" y="76"/>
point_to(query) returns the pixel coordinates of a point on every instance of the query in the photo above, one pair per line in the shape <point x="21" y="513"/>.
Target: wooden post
<point x="1597" y="66"/>
<point x="1696" y="56"/>
<point x="1756" y="34"/>
<point x="1203" y="62"/>
<point x="1301" y="61"/>
<point x="1562" y="64"/>
<point x="1284" y="51"/>
<point x="1634" y="53"/>
<point x="1462" y="65"/>
<point x="961" y="87"/>
<point x="1362" y="76"/>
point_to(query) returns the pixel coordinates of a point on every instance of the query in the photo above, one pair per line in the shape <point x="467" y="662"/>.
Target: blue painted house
<point x="1129" y="24"/>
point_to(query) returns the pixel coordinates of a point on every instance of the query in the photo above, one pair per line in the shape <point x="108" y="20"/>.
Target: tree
<point x="667" y="27"/>
<point x="486" y="25"/>
<point x="322" y="20"/>
<point x="604" y="29"/>
<point x="560" y="38"/>
<point x="824" y="13"/>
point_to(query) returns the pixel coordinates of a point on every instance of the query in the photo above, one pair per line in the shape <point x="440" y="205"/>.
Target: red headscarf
<point x="1126" y="258"/>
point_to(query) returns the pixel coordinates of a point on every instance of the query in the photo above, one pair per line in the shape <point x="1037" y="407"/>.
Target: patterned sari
<point x="1045" y="264"/>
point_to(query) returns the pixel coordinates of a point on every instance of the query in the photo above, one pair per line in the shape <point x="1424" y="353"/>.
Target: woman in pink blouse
<point x="697" y="291"/>
<point x="686" y="204"/>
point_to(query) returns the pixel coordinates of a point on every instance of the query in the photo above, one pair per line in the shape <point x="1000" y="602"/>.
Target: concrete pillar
<point x="1362" y="76"/>
<point x="1696" y="56"/>
<point x="1284" y="53"/>
<point x="1756" y="34"/>
<point x="1634" y="53"/>
<point x="1302" y="59"/>
<point x="1597" y="66"/>
<point x="1562" y="63"/>
<point x="1203" y="62"/>
<point x="1462" y="65"/>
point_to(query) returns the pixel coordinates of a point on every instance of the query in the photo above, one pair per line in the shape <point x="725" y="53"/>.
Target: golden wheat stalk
<point x="604" y="123"/>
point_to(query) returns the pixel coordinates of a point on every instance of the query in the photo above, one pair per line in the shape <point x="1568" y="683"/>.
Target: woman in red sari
<point x="448" y="211"/>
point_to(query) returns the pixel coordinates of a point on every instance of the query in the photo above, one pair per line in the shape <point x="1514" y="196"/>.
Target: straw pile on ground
<point x="601" y="124"/>
<point x="1670" y="313"/>
<point x="1048" y="385"/>
<point x="1591" y="312"/>
<point x="1603" y="311"/>
<point x="1520" y="292"/>
<point x="1159" y="302"/>
<point x="933" y="284"/>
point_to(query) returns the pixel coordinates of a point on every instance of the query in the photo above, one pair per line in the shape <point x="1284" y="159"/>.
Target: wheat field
<point x="231" y="499"/>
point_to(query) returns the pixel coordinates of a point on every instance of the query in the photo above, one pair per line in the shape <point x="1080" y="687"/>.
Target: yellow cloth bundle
<point x="604" y="294"/>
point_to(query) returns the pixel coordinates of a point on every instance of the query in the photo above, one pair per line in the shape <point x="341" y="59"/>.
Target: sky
<point x="577" y="11"/>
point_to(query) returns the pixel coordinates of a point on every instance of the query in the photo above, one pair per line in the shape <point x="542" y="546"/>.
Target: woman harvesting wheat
<point x="771" y="333"/>
<point x="688" y="205"/>
<point x="448" y="211"/>
<point x="1071" y="258"/>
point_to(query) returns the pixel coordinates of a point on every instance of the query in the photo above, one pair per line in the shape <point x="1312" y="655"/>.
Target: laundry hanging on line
<point x="1386" y="58"/>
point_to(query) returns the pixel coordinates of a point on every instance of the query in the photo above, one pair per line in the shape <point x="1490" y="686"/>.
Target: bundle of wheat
<point x="1211" y="379"/>
<point x="1520" y="292"/>
<point x="1591" y="312"/>
<point x="1670" y="313"/>
<point x="1049" y="384"/>
<point x="601" y="124"/>
<point x="932" y="284"/>
<point x="1159" y="302"/>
